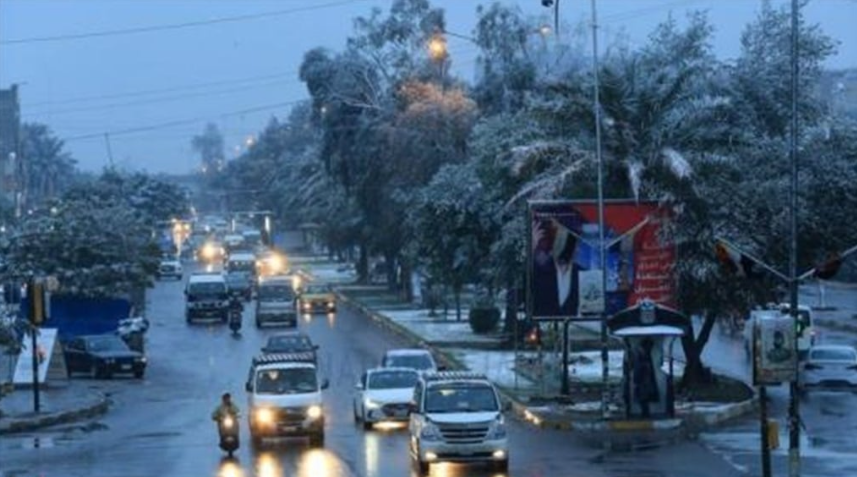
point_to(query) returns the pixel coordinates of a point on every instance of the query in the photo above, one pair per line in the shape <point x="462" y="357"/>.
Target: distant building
<point x="10" y="130"/>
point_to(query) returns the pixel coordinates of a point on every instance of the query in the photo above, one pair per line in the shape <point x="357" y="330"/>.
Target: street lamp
<point x="437" y="47"/>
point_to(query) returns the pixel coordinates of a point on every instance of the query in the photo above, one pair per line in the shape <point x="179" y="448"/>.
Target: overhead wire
<point x="180" y="122"/>
<point x="172" y="89"/>
<point x="174" y="26"/>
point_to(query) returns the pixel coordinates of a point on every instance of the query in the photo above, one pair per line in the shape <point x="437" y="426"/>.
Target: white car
<point x="829" y="366"/>
<point x="413" y="358"/>
<point x="170" y="268"/>
<point x="383" y="394"/>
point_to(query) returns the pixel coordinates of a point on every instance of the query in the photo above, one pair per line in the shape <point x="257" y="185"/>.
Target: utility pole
<point x="109" y="149"/>
<point x="605" y="394"/>
<point x="794" y="396"/>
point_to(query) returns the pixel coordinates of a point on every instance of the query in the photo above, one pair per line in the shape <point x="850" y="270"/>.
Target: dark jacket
<point x="546" y="295"/>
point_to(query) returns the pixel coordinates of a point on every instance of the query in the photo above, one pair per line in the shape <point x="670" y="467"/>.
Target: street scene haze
<point x="380" y="238"/>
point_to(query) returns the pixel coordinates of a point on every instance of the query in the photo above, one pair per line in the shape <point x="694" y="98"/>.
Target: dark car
<point x="102" y="356"/>
<point x="293" y="342"/>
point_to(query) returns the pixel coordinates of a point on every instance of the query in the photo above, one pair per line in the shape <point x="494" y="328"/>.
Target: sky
<point x="140" y="97"/>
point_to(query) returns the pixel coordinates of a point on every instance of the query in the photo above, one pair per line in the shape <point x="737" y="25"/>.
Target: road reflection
<point x="230" y="468"/>
<point x="268" y="466"/>
<point x="318" y="463"/>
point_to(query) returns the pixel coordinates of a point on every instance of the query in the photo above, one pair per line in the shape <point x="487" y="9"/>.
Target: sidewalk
<point x="60" y="402"/>
<point x="534" y="398"/>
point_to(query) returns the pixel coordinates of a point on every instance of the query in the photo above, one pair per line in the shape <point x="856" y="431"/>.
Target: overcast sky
<point x="240" y="73"/>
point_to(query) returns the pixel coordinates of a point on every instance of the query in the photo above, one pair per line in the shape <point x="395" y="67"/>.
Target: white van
<point x="284" y="394"/>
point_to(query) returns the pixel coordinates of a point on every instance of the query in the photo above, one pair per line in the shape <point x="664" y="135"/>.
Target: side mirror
<point x="358" y="386"/>
<point x="248" y="387"/>
<point x="325" y="384"/>
<point x="315" y="347"/>
<point x="265" y="350"/>
<point x="442" y="367"/>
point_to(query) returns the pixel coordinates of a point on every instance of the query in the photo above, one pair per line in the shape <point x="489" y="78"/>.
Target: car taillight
<point x="811" y="366"/>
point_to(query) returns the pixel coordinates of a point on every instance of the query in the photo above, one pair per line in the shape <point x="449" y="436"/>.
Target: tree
<point x="48" y="168"/>
<point x="209" y="146"/>
<point x="97" y="239"/>
<point x="454" y="203"/>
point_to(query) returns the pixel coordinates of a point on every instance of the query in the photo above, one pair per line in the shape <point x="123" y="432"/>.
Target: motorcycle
<point x="227" y="427"/>
<point x="235" y="312"/>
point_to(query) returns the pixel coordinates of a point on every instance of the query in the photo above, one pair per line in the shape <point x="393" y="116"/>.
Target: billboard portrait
<point x="776" y="357"/>
<point x="564" y="277"/>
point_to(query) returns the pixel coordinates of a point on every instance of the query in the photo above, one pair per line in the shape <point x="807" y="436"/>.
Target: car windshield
<point x="316" y="289"/>
<point x="288" y="344"/>
<point x="207" y="289"/>
<point x="833" y="354"/>
<point x="240" y="266"/>
<point x="420" y="362"/>
<point x="286" y="381"/>
<point x="392" y="379"/>
<point x="99" y="345"/>
<point x="238" y="278"/>
<point x="461" y="398"/>
<point x="276" y="292"/>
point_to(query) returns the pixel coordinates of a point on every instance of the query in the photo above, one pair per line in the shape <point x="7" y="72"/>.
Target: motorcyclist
<point x="225" y="408"/>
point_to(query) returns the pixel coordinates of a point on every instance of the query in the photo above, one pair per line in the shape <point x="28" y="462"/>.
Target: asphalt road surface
<point x="161" y="426"/>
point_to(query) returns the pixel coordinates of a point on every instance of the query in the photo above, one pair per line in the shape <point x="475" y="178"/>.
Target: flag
<point x="829" y="268"/>
<point x="735" y="262"/>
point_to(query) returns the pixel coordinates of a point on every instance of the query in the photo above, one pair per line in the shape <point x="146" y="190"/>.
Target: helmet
<point x="226" y="397"/>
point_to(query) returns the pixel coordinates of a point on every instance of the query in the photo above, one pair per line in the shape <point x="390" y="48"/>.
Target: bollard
<point x="773" y="434"/>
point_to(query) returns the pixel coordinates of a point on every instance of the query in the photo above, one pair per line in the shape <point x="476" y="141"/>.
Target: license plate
<point x="290" y="428"/>
<point x="126" y="366"/>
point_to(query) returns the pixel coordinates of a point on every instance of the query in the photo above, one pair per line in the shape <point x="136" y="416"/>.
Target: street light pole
<point x="794" y="399"/>
<point x="605" y="395"/>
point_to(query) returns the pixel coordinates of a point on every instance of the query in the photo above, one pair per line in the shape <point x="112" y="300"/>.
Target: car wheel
<point x="139" y="374"/>
<point x="421" y="467"/>
<point x="94" y="373"/>
<point x="367" y="424"/>
<point x="258" y="323"/>
<point x="317" y="439"/>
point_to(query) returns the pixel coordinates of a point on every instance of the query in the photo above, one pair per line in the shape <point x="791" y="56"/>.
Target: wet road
<point x="161" y="426"/>
<point x="828" y="442"/>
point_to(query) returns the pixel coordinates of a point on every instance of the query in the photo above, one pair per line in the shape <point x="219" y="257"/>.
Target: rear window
<point x="207" y="288"/>
<point x="421" y="362"/>
<point x="828" y="354"/>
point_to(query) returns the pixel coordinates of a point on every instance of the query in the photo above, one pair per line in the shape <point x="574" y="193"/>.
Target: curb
<point x="96" y="408"/>
<point x="540" y="421"/>
<point x="837" y="325"/>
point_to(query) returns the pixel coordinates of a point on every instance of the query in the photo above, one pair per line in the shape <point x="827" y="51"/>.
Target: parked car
<point x="170" y="268"/>
<point x="317" y="297"/>
<point x="102" y="356"/>
<point x="290" y="342"/>
<point x="413" y="358"/>
<point x="383" y="394"/>
<point x="829" y="366"/>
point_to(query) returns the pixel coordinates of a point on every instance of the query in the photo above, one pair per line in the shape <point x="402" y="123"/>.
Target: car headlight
<point x="330" y="304"/>
<point x="497" y="429"/>
<point x="228" y="422"/>
<point x="264" y="416"/>
<point x="430" y="432"/>
<point x="370" y="404"/>
<point x="141" y="359"/>
<point x="314" y="412"/>
<point x="307" y="305"/>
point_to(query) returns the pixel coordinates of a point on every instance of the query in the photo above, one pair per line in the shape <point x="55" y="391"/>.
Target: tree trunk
<point x="457" y="292"/>
<point x="392" y="282"/>
<point x="695" y="371"/>
<point x="363" y="264"/>
<point x="511" y="307"/>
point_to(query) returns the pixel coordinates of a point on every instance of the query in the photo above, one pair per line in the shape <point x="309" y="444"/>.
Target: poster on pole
<point x="564" y="264"/>
<point x="775" y="357"/>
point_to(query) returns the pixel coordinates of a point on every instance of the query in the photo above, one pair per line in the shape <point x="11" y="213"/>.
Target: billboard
<point x="563" y="274"/>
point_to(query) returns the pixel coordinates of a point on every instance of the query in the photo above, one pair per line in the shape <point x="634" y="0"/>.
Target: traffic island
<point x="63" y="405"/>
<point x="531" y="404"/>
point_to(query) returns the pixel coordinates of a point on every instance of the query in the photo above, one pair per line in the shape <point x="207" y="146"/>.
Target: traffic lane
<point x="162" y="426"/>
<point x="163" y="421"/>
